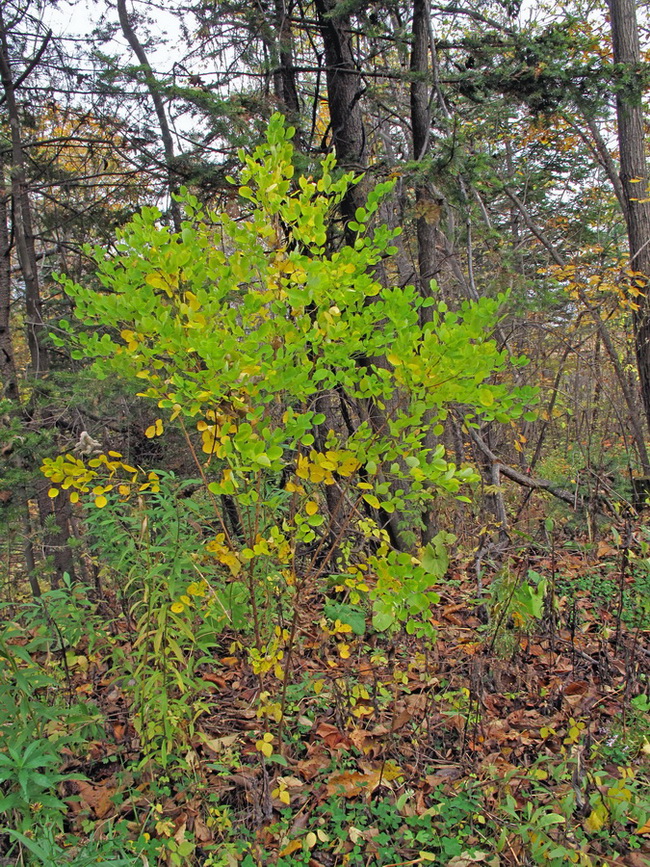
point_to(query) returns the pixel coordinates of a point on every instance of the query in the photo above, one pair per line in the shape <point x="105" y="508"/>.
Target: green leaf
<point x="383" y="620"/>
<point x="349" y="614"/>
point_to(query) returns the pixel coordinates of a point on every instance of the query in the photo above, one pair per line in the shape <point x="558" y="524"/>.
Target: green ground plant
<point x="176" y="608"/>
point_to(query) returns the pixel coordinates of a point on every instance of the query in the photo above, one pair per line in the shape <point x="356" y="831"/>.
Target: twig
<point x="520" y="478"/>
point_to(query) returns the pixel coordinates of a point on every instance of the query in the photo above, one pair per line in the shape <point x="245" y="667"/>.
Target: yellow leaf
<point x="318" y="686"/>
<point x="264" y="747"/>
<point x="290" y="848"/>
<point x="177" y="607"/>
<point x="311" y="839"/>
<point x="311" y="508"/>
<point x="348" y="466"/>
<point x="74" y="497"/>
<point x="52" y="493"/>
<point x="597" y="818"/>
<point x="344" y="650"/>
<point x="100" y="501"/>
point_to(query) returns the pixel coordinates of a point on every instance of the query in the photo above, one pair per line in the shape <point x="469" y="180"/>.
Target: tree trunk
<point x="22" y="217"/>
<point x="634" y="172"/>
<point x="159" y="106"/>
<point x="56" y="532"/>
<point x="427" y="210"/>
<point x="286" y="90"/>
<point x="344" y="94"/>
<point x="7" y="362"/>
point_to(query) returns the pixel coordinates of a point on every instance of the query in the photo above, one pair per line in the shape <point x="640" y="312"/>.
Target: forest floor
<point x="519" y="736"/>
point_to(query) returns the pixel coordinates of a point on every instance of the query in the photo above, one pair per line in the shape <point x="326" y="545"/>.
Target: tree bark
<point x="344" y="94"/>
<point x="286" y="90"/>
<point x="154" y="91"/>
<point x="22" y="216"/>
<point x="7" y="362"/>
<point x="634" y="172"/>
<point x="55" y="538"/>
<point x="426" y="209"/>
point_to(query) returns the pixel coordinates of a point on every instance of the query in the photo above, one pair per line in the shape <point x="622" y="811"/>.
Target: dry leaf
<point x="218" y="745"/>
<point x="317" y="760"/>
<point x="334" y="738"/>
<point x="352" y="784"/>
<point x="179" y="836"/>
<point x="466" y="859"/>
<point x="96" y="797"/>
<point x="201" y="831"/>
<point x="290" y="848"/>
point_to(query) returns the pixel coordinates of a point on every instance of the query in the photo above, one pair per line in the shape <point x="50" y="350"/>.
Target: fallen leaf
<point x="201" y="831"/>
<point x="96" y="797"/>
<point x="352" y="784"/>
<point x="179" y="836"/>
<point x="604" y="549"/>
<point x="358" y="738"/>
<point x="290" y="848"/>
<point x="334" y="738"/>
<point x="466" y="859"/>
<point x="218" y="745"/>
<point x="314" y="763"/>
<point x="216" y="679"/>
<point x="644" y="829"/>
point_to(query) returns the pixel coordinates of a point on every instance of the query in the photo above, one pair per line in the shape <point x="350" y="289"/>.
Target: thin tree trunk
<point x="286" y="90"/>
<point x="154" y="91"/>
<point x="22" y="217"/>
<point x="426" y="208"/>
<point x="630" y="401"/>
<point x="56" y="538"/>
<point x="7" y="362"/>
